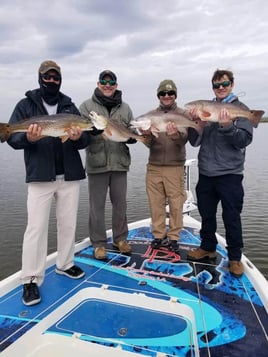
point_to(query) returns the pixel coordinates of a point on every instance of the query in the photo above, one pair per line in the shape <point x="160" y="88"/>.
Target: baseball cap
<point x="48" y="65"/>
<point x="109" y="73"/>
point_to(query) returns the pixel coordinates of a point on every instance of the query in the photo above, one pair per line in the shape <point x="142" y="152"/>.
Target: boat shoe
<point x="173" y="246"/>
<point x="123" y="246"/>
<point x="100" y="253"/>
<point x="158" y="242"/>
<point x="199" y="254"/>
<point x="236" y="268"/>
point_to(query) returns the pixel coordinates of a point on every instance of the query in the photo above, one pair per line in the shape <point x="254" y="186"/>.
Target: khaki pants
<point x="166" y="183"/>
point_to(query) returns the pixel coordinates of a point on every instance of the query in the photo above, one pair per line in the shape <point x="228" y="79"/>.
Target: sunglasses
<point x="48" y="77"/>
<point x="105" y="81"/>
<point x="224" y="84"/>
<point x="169" y="93"/>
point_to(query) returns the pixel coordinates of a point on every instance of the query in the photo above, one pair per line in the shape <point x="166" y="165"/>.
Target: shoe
<point x="173" y="246"/>
<point x="199" y="254"/>
<point x="158" y="242"/>
<point x="123" y="246"/>
<point x="74" y="272"/>
<point x="100" y="253"/>
<point x="236" y="268"/>
<point x="30" y="294"/>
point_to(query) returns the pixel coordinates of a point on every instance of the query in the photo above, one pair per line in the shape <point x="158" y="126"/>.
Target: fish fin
<point x="255" y="117"/>
<point x="104" y="136"/>
<point x="205" y="114"/>
<point x="4" y="132"/>
<point x="64" y="138"/>
<point x="155" y="133"/>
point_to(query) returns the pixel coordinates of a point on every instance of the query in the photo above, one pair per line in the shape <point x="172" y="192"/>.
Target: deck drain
<point x="122" y="331"/>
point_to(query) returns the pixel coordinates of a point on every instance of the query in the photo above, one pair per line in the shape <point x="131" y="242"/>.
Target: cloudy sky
<point x="143" y="42"/>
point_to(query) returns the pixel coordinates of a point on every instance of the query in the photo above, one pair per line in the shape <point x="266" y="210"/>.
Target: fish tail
<point x="255" y="117"/>
<point x="145" y="139"/>
<point x="4" y="132"/>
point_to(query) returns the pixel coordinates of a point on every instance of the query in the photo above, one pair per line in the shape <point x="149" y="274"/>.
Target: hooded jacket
<point x="39" y="156"/>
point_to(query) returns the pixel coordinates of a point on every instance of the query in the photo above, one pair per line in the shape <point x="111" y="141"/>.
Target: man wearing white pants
<point x="40" y="196"/>
<point x="53" y="170"/>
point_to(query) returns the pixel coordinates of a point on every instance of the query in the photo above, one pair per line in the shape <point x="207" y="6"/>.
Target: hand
<point x="75" y="133"/>
<point x="224" y="118"/>
<point x="171" y="129"/>
<point x="33" y="133"/>
<point x="193" y="114"/>
<point x="145" y="132"/>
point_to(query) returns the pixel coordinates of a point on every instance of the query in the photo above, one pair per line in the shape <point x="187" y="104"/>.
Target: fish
<point x="56" y="125"/>
<point x="157" y="121"/>
<point x="115" y="131"/>
<point x="208" y="110"/>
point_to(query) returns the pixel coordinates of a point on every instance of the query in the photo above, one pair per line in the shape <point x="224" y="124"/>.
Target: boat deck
<point x="152" y="303"/>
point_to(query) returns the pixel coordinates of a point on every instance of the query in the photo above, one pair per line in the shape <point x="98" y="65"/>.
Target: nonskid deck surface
<point x="153" y="301"/>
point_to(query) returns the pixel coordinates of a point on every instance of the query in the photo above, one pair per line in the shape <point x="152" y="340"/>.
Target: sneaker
<point x="158" y="242"/>
<point x="173" y="246"/>
<point x="123" y="246"/>
<point x="30" y="294"/>
<point x="199" y="254"/>
<point x="74" y="272"/>
<point x="100" y="253"/>
<point x="236" y="268"/>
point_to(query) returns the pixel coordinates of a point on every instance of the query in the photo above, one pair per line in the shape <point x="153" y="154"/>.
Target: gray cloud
<point x="142" y="41"/>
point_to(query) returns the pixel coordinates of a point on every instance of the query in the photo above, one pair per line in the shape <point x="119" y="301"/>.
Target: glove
<point x="95" y="131"/>
<point x="131" y="141"/>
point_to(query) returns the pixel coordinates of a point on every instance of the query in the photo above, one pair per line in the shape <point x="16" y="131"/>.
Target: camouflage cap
<point x="48" y="65"/>
<point x="166" y="85"/>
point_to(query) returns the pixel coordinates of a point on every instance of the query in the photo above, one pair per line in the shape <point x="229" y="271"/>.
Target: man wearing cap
<point x="53" y="169"/>
<point x="107" y="163"/>
<point x="165" y="173"/>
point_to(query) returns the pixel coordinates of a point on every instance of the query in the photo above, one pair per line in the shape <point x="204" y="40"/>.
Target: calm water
<point x="13" y="195"/>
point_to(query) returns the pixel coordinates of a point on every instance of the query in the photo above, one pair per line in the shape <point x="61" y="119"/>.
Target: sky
<point x="143" y="42"/>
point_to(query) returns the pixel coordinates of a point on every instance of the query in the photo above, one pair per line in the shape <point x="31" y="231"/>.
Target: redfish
<point x="208" y="110"/>
<point x="57" y="125"/>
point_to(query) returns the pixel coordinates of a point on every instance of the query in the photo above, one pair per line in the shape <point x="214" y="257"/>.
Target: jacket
<point x="39" y="157"/>
<point x="165" y="150"/>
<point x="222" y="150"/>
<point x="106" y="155"/>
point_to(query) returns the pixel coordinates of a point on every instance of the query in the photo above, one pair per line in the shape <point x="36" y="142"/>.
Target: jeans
<point x="228" y="190"/>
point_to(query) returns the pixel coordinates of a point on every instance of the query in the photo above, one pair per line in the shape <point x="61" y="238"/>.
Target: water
<point x="13" y="195"/>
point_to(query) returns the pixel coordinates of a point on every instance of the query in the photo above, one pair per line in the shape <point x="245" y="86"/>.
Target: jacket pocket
<point x="125" y="159"/>
<point x="96" y="155"/>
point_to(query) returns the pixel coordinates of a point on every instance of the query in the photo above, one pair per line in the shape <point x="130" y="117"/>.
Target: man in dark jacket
<point x="53" y="169"/>
<point x="221" y="160"/>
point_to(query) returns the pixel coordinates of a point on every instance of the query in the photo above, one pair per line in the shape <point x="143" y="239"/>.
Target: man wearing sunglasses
<point x="165" y="173"/>
<point x="221" y="160"/>
<point x="53" y="170"/>
<point x="107" y="163"/>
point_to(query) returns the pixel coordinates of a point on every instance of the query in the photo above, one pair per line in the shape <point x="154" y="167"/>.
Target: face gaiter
<point x="49" y="91"/>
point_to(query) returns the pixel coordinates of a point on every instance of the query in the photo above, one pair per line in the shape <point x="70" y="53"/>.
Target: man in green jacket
<point x="107" y="163"/>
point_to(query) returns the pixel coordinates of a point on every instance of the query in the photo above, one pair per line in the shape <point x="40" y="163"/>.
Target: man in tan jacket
<point x="165" y="173"/>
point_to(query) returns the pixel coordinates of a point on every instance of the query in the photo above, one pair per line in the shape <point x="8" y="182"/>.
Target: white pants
<point x="34" y="250"/>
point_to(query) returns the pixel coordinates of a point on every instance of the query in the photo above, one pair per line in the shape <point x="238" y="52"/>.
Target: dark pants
<point x="99" y="184"/>
<point x="229" y="190"/>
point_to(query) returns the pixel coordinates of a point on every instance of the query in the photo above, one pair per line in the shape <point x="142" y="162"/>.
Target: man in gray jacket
<point x="107" y="163"/>
<point x="221" y="163"/>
